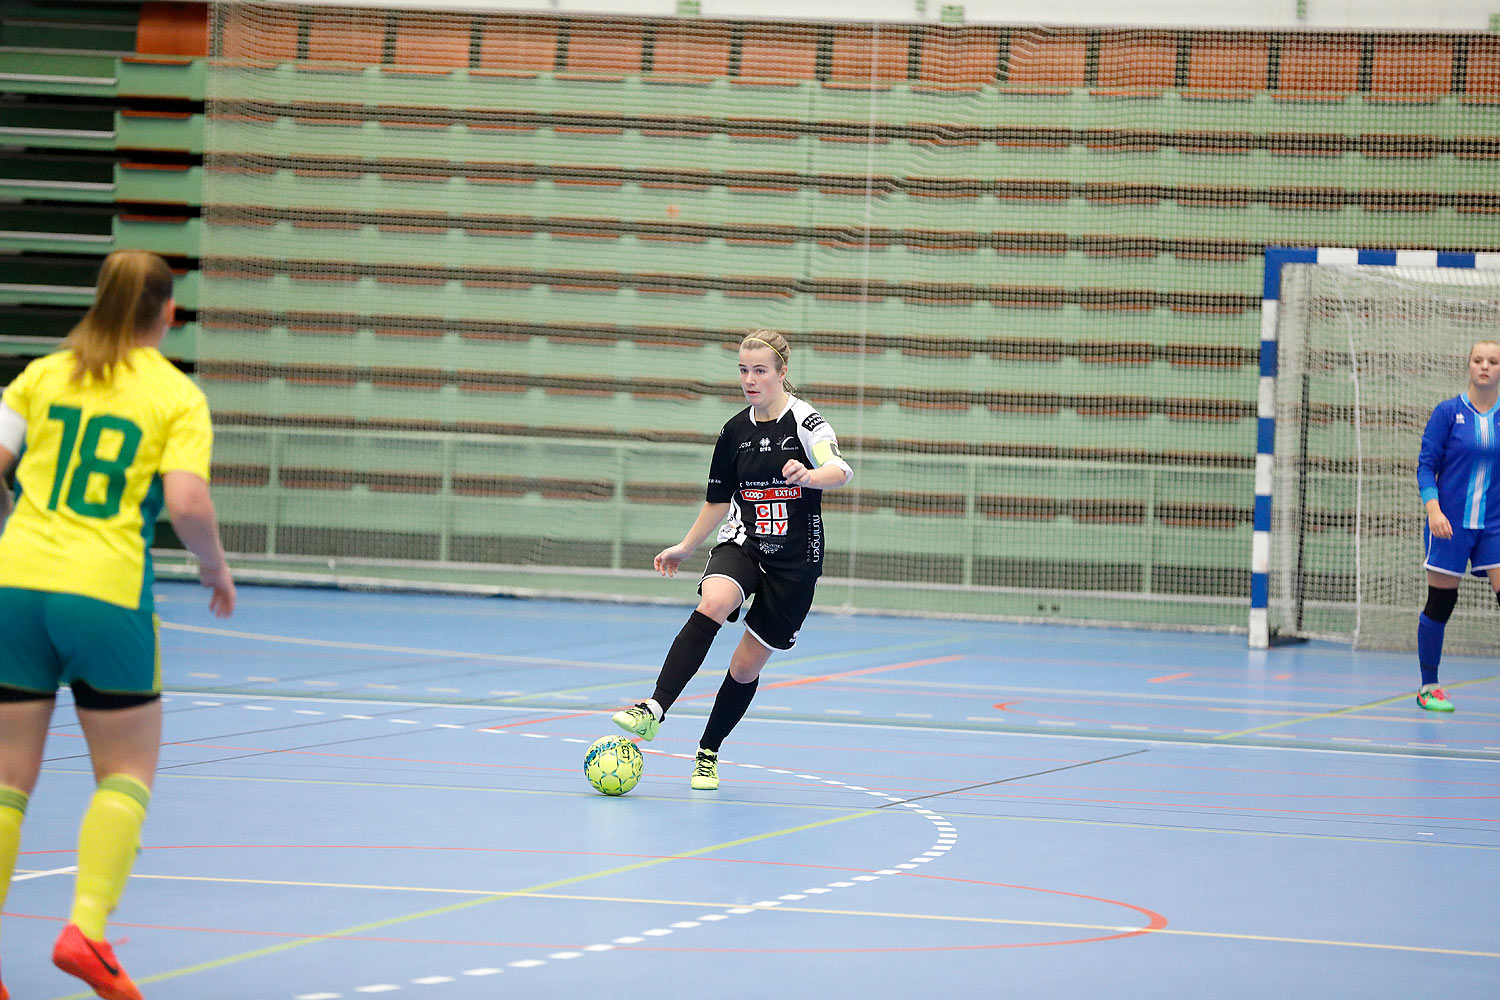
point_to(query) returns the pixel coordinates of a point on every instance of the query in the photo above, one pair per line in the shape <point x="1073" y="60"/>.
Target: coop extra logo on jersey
<point x="773" y="493"/>
<point x="770" y="507"/>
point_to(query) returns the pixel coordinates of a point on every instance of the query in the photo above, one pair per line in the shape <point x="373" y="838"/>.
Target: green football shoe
<point x="706" y="771"/>
<point x="1434" y="700"/>
<point x="637" y="719"/>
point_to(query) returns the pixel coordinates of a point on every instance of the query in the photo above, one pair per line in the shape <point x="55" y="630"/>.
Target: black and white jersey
<point x="780" y="524"/>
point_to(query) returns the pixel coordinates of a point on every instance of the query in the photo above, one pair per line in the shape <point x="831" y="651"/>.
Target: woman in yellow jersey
<point x="100" y="435"/>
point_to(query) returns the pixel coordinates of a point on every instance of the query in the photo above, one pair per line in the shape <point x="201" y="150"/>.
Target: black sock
<point x="684" y="658"/>
<point x="729" y="709"/>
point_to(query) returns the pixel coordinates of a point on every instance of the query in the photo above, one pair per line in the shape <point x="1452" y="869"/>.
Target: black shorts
<point x="782" y="596"/>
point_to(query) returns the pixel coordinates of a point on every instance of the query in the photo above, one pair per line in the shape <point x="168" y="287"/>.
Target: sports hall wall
<point x="465" y="286"/>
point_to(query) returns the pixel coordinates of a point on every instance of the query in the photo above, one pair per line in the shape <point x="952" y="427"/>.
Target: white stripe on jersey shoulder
<point x="12" y="430"/>
<point x="791" y="401"/>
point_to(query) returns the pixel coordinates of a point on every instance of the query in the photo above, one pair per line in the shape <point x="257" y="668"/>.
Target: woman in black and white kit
<point x="772" y="462"/>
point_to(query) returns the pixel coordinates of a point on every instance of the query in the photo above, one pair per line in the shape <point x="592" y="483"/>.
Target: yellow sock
<point x="12" y="811"/>
<point x="107" y="844"/>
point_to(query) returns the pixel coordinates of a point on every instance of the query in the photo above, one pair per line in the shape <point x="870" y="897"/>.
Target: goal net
<point x="1364" y="354"/>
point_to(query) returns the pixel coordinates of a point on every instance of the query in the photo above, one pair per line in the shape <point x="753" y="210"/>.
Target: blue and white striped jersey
<point x="1457" y="463"/>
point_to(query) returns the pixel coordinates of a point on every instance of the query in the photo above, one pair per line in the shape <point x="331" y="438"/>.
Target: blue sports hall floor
<point x="367" y="794"/>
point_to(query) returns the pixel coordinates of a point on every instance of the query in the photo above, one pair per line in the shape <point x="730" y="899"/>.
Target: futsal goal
<point x="1357" y="348"/>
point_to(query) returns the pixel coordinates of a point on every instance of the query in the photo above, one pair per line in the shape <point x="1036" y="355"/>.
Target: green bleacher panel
<point x="175" y="131"/>
<point x="1285" y="213"/>
<point x="173" y="184"/>
<point x="29" y="71"/>
<point x="541" y="304"/>
<point x="625" y="359"/>
<point x="172" y="237"/>
<point x="181" y="78"/>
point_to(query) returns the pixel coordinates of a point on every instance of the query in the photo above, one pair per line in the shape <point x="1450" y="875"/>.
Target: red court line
<point x="532" y="722"/>
<point x="866" y="670"/>
<point x="1170" y="677"/>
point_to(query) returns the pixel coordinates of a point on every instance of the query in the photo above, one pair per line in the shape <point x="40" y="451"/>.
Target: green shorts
<point x="52" y="640"/>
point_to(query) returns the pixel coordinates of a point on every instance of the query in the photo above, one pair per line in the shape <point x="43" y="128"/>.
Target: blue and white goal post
<point x="1262" y="633"/>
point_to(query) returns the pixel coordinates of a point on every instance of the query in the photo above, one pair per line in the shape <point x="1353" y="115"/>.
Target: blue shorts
<point x="1477" y="549"/>
<point x="51" y="640"/>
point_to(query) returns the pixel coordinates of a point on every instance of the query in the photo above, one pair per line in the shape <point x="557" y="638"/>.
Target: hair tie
<point x="771" y="346"/>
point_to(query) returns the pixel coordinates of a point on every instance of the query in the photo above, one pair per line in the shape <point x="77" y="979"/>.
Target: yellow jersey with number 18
<point x="89" y="475"/>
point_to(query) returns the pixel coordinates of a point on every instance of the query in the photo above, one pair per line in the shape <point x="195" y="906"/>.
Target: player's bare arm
<point x="828" y="477"/>
<point x="709" y="518"/>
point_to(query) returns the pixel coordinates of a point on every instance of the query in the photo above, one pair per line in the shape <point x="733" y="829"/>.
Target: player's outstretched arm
<point x="193" y="517"/>
<point x="825" y="477"/>
<point x="709" y="518"/>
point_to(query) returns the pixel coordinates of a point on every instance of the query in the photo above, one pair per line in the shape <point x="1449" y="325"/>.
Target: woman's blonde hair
<point x="133" y="288"/>
<point x="777" y="343"/>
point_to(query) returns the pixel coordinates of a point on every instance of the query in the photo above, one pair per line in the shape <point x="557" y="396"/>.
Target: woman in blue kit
<point x="1459" y="477"/>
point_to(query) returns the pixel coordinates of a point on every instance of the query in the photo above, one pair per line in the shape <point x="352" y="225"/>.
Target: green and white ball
<point x="613" y="765"/>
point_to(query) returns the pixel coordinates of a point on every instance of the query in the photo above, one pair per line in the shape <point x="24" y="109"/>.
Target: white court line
<point x="51" y="871"/>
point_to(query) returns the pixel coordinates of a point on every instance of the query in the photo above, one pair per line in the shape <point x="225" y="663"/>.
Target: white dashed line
<point x="947" y="837"/>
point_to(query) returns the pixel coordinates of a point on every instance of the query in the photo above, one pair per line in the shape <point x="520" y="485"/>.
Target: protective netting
<point x="472" y="284"/>
<point x="1365" y="353"/>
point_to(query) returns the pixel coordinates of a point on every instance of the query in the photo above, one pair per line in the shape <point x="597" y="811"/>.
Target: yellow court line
<point x="1346" y="711"/>
<point x="467" y="904"/>
<point x="816" y="807"/>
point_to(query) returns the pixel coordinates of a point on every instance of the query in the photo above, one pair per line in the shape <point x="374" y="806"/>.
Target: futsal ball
<point x="613" y="765"/>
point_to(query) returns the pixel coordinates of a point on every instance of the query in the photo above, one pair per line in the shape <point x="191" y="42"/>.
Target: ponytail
<point x="134" y="286"/>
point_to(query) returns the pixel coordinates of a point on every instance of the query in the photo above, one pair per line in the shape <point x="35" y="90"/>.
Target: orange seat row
<point x="1120" y="62"/>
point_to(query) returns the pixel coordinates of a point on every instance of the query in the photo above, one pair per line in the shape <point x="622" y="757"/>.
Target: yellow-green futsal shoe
<point x="706" y="771"/>
<point x="638" y="720"/>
